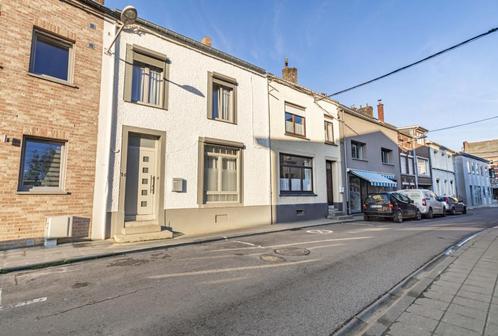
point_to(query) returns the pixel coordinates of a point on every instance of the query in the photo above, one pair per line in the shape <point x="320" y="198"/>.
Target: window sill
<point x="220" y="205"/>
<point x="223" y="121"/>
<point x="388" y="164"/>
<point x="298" y="194"/>
<point x="331" y="143"/>
<point x="148" y="105"/>
<point x="43" y="192"/>
<point x="303" y="137"/>
<point x="363" y="160"/>
<point x="53" y="79"/>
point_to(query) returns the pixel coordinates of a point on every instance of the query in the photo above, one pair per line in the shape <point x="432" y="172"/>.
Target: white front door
<point x="141" y="178"/>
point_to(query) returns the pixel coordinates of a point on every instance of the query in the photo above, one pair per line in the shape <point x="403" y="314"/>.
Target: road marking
<point x="23" y="303"/>
<point x="246" y="243"/>
<point x="495" y="227"/>
<point x="291" y="244"/>
<point x="368" y="230"/>
<point x="222" y="281"/>
<point x="320" y="231"/>
<point x="323" y="246"/>
<point x="233" y="269"/>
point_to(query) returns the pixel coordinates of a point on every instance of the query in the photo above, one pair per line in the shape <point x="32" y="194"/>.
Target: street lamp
<point x="128" y="16"/>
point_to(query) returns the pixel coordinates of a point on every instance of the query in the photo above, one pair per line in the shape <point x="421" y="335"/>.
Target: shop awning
<point x="375" y="179"/>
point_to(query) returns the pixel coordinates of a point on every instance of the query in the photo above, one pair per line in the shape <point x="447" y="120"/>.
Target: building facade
<point x="50" y="69"/>
<point x="473" y="182"/>
<point x="442" y="169"/>
<point x="422" y="157"/>
<point x="185" y="138"/>
<point x="488" y="150"/>
<point x="407" y="155"/>
<point x="305" y="150"/>
<point x="370" y="150"/>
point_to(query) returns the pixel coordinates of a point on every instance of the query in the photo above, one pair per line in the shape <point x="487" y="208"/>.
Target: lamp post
<point x="128" y="16"/>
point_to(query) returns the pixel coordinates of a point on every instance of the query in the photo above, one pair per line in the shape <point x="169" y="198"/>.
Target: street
<point x="301" y="282"/>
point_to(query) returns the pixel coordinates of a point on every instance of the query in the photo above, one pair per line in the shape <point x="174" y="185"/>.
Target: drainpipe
<point x="415" y="165"/>
<point x="345" y="178"/>
<point x="269" y="147"/>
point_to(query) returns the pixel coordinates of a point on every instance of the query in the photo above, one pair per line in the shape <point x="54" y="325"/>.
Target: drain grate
<point x="271" y="258"/>
<point x="292" y="251"/>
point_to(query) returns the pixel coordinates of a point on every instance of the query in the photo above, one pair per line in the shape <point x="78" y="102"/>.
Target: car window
<point x="413" y="195"/>
<point x="377" y="199"/>
<point x="405" y="198"/>
<point x="453" y="199"/>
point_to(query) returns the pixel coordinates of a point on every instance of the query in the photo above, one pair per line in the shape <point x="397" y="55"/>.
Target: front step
<point x="131" y="229"/>
<point x="134" y="238"/>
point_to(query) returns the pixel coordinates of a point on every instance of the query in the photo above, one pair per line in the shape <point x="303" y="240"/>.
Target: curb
<point x="375" y="318"/>
<point x="71" y="260"/>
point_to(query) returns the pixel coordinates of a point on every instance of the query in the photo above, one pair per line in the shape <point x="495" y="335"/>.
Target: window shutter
<point x="128" y="73"/>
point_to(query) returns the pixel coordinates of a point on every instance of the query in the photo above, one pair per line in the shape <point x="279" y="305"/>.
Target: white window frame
<point x="329" y="125"/>
<point x="426" y="164"/>
<point x="359" y="150"/>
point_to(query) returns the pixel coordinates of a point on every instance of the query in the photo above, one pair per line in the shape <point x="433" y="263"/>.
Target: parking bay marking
<point x="320" y="231"/>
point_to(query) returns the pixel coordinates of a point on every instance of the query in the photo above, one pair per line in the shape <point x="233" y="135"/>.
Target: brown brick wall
<point x="34" y="106"/>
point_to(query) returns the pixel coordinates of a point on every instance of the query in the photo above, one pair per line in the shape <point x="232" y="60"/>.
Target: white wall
<point x="443" y="171"/>
<point x="314" y="146"/>
<point x="186" y="120"/>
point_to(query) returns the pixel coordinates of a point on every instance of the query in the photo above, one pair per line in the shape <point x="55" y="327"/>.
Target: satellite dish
<point x="128" y="15"/>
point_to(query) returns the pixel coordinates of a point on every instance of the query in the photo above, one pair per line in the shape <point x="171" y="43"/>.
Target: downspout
<point x="269" y="148"/>
<point x="345" y="178"/>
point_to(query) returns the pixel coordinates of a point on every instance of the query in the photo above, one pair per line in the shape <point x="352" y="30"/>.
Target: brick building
<point x="50" y="70"/>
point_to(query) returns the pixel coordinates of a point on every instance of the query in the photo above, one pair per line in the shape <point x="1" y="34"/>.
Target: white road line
<point x="323" y="246"/>
<point x="292" y="244"/>
<point x="245" y="243"/>
<point x="233" y="269"/>
<point x="223" y="281"/>
<point x="495" y="227"/>
<point x="23" y="303"/>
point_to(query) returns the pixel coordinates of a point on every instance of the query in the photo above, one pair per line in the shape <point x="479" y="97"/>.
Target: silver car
<point x="426" y="201"/>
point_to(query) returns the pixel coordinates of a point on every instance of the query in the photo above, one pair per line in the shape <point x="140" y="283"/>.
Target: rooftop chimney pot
<point x="380" y="110"/>
<point x="289" y="74"/>
<point x="206" y="40"/>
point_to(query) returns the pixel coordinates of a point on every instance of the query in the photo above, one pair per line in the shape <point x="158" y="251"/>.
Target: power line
<point x="464" y="124"/>
<point x="414" y="63"/>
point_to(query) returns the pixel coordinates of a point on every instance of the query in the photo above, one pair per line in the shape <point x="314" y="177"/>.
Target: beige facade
<point x="48" y="115"/>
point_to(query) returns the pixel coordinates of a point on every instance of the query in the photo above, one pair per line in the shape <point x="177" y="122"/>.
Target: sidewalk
<point x="38" y="257"/>
<point x="463" y="300"/>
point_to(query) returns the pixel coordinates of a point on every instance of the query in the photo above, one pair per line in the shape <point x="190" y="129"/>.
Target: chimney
<point x="380" y="110"/>
<point x="99" y="1"/>
<point x="465" y="145"/>
<point x="366" y="110"/>
<point x="289" y="74"/>
<point x="206" y="40"/>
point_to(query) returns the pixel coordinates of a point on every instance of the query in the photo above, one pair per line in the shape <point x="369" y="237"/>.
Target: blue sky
<point x="336" y="44"/>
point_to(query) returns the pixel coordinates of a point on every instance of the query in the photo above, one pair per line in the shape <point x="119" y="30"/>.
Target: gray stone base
<point x="300" y="212"/>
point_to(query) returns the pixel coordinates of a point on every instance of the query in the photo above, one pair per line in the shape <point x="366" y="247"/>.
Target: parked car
<point x="426" y="202"/>
<point x="390" y="205"/>
<point x="454" y="205"/>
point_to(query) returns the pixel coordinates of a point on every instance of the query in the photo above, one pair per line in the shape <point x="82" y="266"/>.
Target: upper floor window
<point x="423" y="166"/>
<point x="358" y="150"/>
<point x="145" y="77"/>
<point x="51" y="56"/>
<point x="386" y="155"/>
<point x="222" y="98"/>
<point x="329" y="132"/>
<point x="42" y="165"/>
<point x="295" y="123"/>
<point x="403" y="164"/>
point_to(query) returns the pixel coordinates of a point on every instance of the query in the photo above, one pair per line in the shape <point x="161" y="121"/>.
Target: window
<point x="51" y="56"/>
<point x="423" y="166"/>
<point x="403" y="163"/>
<point x="295" y="123"/>
<point x="146" y="73"/>
<point x="42" y="165"/>
<point x="358" y="150"/>
<point x="386" y="155"/>
<point x="221" y="174"/>
<point x="468" y="167"/>
<point x="410" y="165"/>
<point x="329" y="132"/>
<point x="222" y="99"/>
<point x="296" y="174"/>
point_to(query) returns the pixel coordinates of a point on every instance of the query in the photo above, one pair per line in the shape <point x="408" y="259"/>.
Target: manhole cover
<point x="271" y="258"/>
<point x="292" y="251"/>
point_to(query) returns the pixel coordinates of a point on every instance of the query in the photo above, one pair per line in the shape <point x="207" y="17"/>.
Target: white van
<point x="426" y="201"/>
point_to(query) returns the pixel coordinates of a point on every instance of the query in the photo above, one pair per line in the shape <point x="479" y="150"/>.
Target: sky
<point x="336" y="44"/>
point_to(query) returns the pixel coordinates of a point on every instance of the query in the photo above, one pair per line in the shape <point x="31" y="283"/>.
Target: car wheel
<point x="453" y="211"/>
<point x="464" y="210"/>
<point x="366" y="218"/>
<point x="430" y="214"/>
<point x="398" y="217"/>
<point x="418" y="215"/>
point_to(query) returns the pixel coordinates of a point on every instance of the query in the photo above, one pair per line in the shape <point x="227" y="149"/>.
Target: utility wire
<point x="464" y="124"/>
<point x="413" y="64"/>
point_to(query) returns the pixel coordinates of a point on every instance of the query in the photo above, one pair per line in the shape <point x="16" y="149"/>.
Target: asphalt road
<point x="302" y="282"/>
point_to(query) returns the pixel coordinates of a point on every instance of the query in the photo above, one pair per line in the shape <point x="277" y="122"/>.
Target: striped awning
<point x="374" y="178"/>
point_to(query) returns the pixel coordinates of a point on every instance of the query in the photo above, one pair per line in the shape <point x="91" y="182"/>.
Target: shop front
<point x="363" y="182"/>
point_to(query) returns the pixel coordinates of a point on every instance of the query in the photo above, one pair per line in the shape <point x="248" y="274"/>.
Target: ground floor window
<point x="296" y="174"/>
<point x="222" y="172"/>
<point x="42" y="165"/>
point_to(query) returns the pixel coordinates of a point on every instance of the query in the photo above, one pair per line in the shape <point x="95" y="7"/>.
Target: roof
<point x="360" y="115"/>
<point x="430" y="142"/>
<point x="417" y="127"/>
<point x="195" y="44"/>
<point x="472" y="156"/>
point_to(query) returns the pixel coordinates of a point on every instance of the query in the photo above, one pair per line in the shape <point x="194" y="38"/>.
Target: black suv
<point x="390" y="205"/>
